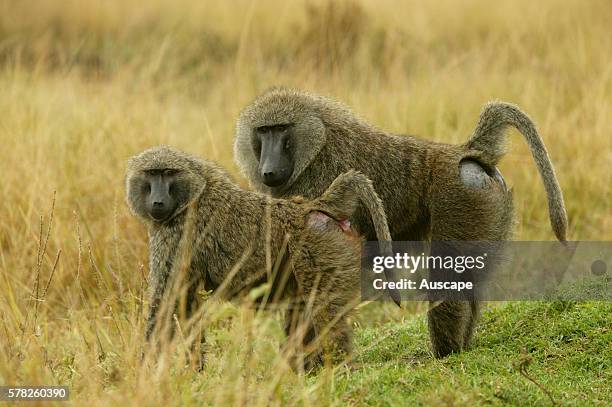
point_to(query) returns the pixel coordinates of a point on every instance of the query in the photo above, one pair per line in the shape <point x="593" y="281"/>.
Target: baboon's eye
<point x="169" y="172"/>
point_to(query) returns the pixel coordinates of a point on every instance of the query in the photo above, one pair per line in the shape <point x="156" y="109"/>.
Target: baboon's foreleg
<point x="161" y="322"/>
<point x="197" y="354"/>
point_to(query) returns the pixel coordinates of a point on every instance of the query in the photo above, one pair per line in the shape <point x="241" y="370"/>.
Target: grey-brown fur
<point x="229" y="226"/>
<point x="428" y="189"/>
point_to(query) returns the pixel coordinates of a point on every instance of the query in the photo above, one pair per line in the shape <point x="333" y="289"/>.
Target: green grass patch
<point x="564" y="346"/>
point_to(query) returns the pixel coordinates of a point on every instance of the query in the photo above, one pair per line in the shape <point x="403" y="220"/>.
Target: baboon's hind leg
<point x="448" y="322"/>
<point x="333" y="335"/>
<point x="470" y="203"/>
<point x="315" y="335"/>
<point x="300" y="333"/>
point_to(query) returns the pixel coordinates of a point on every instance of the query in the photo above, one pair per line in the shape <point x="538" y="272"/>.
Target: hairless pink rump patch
<point x="322" y="221"/>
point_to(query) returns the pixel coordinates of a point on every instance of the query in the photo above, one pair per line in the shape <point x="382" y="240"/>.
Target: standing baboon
<point x="289" y="142"/>
<point x="230" y="230"/>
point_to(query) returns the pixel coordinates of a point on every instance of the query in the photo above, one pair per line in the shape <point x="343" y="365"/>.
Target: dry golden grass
<point x="86" y="84"/>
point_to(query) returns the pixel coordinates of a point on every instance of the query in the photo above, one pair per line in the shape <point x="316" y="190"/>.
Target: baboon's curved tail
<point x="489" y="138"/>
<point x="340" y="201"/>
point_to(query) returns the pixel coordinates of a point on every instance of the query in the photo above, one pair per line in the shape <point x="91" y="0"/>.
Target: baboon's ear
<point x="310" y="136"/>
<point x="134" y="196"/>
<point x="244" y="155"/>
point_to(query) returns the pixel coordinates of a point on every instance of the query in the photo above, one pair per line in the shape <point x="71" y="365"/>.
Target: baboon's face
<point x="274" y="146"/>
<point x="158" y="193"/>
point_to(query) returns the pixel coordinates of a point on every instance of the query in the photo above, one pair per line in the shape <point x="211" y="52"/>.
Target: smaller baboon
<point x="230" y="231"/>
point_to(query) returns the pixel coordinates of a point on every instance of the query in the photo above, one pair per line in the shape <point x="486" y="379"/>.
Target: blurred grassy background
<point x="86" y="84"/>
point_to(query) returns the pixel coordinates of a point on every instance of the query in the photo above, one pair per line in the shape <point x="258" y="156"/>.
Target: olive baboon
<point x="181" y="197"/>
<point x="289" y="142"/>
